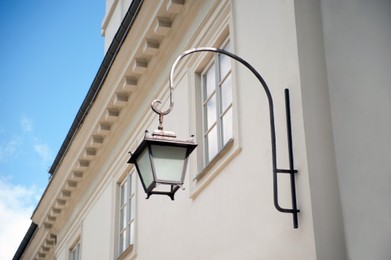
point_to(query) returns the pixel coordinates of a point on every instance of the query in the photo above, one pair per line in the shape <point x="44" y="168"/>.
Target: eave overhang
<point x="76" y="158"/>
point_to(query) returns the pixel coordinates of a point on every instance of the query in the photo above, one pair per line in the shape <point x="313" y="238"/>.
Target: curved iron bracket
<point x="294" y="211"/>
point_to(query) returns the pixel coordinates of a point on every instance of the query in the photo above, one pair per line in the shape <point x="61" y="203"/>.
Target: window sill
<point x="214" y="167"/>
<point x="127" y="254"/>
<point x="218" y="156"/>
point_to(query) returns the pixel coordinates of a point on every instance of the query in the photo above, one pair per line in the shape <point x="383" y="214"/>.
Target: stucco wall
<point x="357" y="40"/>
<point x="232" y="216"/>
<point x="323" y="178"/>
<point x="115" y="12"/>
<point x="97" y="227"/>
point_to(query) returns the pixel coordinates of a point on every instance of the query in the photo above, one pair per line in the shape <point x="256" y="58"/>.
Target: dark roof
<point x="100" y="77"/>
<point x="29" y="234"/>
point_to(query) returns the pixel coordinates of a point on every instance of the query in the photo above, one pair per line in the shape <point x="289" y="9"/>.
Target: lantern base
<point x="171" y="194"/>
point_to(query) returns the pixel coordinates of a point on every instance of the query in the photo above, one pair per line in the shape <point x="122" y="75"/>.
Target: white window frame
<point x="75" y="251"/>
<point x="216" y="28"/>
<point x="126" y="212"/>
<point x="219" y="111"/>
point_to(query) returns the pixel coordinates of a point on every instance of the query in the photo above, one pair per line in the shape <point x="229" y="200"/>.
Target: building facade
<point x="333" y="56"/>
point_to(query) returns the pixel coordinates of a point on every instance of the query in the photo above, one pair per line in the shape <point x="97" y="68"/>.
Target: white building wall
<point x="98" y="230"/>
<point x="90" y="223"/>
<point x="233" y="217"/>
<point x="115" y="12"/>
<point x="358" y="54"/>
<point x="229" y="212"/>
<point x="323" y="178"/>
<point x="62" y="255"/>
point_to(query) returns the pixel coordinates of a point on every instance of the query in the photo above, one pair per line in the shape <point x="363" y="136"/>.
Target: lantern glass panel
<point x="168" y="162"/>
<point x="145" y="169"/>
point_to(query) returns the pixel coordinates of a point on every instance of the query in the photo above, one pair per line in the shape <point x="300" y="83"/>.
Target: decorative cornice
<point x="147" y="48"/>
<point x="98" y="80"/>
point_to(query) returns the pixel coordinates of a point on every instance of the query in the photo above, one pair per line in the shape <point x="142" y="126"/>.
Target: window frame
<point x="76" y="247"/>
<point x="220" y="111"/>
<point x="129" y="205"/>
<point x="215" y="28"/>
<point x="201" y="173"/>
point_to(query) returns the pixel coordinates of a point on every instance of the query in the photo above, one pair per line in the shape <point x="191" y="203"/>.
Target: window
<point x="216" y="81"/>
<point x="214" y="100"/>
<point x="75" y="252"/>
<point x="126" y="212"/>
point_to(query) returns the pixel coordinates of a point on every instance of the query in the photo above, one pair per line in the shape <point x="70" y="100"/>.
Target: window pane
<point x="227" y="126"/>
<point x="211" y="111"/>
<point x="209" y="81"/>
<point x="76" y="252"/>
<point x="129" y="185"/>
<point x="132" y="233"/>
<point x="130" y="210"/>
<point x="123" y="193"/>
<point x="145" y="168"/>
<point x="212" y="143"/>
<point x="225" y="63"/>
<point x="128" y="230"/>
<point x="121" y="247"/>
<point x="122" y="242"/>
<point x="169" y="162"/>
<point x="132" y="203"/>
<point x="123" y="218"/>
<point x="226" y="93"/>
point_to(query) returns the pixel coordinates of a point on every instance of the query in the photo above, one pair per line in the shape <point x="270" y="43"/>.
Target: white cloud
<point x="44" y="152"/>
<point x="27" y="124"/>
<point x="17" y="204"/>
<point x="9" y="150"/>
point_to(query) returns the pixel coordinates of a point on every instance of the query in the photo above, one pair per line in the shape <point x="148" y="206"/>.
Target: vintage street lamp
<point x="161" y="159"/>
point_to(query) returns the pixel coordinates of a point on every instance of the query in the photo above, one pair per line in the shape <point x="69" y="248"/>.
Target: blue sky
<point x="50" y="52"/>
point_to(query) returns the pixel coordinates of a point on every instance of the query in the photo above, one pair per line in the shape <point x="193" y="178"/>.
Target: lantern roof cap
<point x="160" y="137"/>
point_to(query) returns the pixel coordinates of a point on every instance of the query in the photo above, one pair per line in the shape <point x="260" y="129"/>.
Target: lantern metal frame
<point x="161" y="138"/>
<point x="276" y="170"/>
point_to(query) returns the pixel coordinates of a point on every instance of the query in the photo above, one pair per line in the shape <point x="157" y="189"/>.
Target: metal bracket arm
<point x="291" y="169"/>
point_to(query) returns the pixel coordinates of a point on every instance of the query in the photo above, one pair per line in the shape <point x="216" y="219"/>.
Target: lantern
<point x="161" y="161"/>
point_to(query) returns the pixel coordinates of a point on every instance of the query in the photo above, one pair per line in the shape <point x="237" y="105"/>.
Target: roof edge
<point x="97" y="83"/>
<point x="26" y="240"/>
